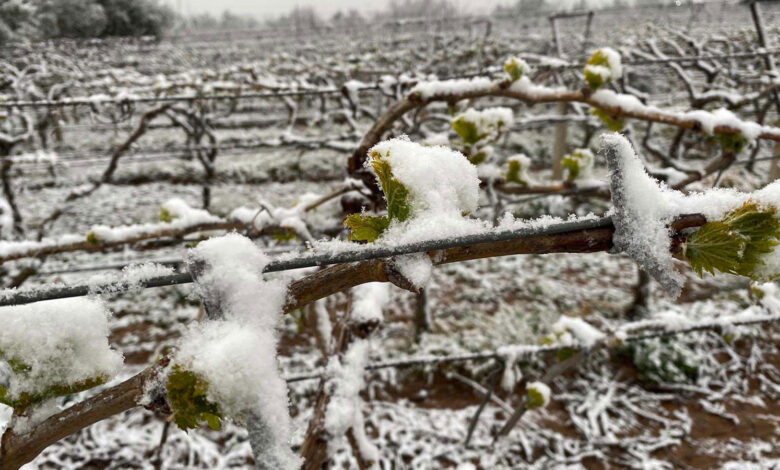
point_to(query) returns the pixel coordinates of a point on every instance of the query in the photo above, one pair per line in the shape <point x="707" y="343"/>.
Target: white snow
<point x="237" y="354"/>
<point x="268" y="215"/>
<point x="707" y="120"/>
<point x="643" y="209"/>
<point x="612" y="71"/>
<point x="369" y="301"/>
<point x="427" y="90"/>
<point x="525" y="86"/>
<point x="129" y="279"/>
<point x="442" y="186"/>
<point x="489" y="121"/>
<point x="581" y="331"/>
<point x="415" y="267"/>
<point x="183" y="216"/>
<point x="324" y="326"/>
<point x="344" y="410"/>
<point x="63" y="342"/>
<point x="9" y="248"/>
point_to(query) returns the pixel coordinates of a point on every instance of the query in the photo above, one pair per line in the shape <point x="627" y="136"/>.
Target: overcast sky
<point x="271" y="8"/>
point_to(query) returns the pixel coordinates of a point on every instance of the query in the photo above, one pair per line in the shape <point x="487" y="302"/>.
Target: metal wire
<point x="329" y="91"/>
<point x="360" y="253"/>
<point x="532" y="349"/>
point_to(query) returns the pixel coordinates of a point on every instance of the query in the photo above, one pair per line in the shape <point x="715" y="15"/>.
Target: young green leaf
<point x="478" y="158"/>
<point x="735" y="244"/>
<point x="714" y="247"/>
<point x="187" y="395"/>
<point x="538" y="395"/>
<point x="732" y="142"/>
<point x="165" y="215"/>
<point x="467" y="131"/>
<point x="603" y="66"/>
<point x="396" y="194"/>
<point x="93" y="239"/>
<point x="516" y="172"/>
<point x="613" y="123"/>
<point x="515" y="68"/>
<point x="578" y="164"/>
<point x="366" y="227"/>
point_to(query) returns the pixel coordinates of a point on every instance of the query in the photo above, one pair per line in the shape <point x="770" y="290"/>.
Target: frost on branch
<point x="344" y="412"/>
<point x="54" y="348"/>
<point x="740" y="237"/>
<point x="416" y="268"/>
<point x="603" y="67"/>
<point x="369" y="301"/>
<point x="231" y="358"/>
<point x="641" y="213"/>
<point x="428" y="191"/>
<point x="573" y="331"/>
<point x="174" y="214"/>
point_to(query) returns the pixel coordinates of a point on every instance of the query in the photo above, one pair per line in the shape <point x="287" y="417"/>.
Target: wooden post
<point x="422" y="317"/>
<point x="588" y="25"/>
<point x="560" y="148"/>
<point x="774" y="169"/>
<point x="769" y="62"/>
<point x="556" y="37"/>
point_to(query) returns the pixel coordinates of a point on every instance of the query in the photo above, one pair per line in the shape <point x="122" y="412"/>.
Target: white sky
<point x="270" y="8"/>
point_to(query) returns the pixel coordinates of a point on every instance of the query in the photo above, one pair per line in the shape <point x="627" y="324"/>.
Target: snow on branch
<point x="741" y="235"/>
<point x="176" y="219"/>
<point x="344" y="411"/>
<point x="233" y="355"/>
<point x="54" y="348"/>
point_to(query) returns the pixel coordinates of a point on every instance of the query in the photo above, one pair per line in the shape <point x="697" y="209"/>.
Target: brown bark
<point x="100" y="246"/>
<point x="502" y="89"/>
<point x="20" y="449"/>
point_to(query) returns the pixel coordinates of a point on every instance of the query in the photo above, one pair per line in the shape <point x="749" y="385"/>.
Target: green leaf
<point x="165" y="215"/>
<point x="478" y="158"/>
<point x="736" y="244"/>
<point x="572" y="165"/>
<point x="284" y="235"/>
<point x="732" y="142"/>
<point x="396" y="194"/>
<point x="714" y="247"/>
<point x="93" y="239"/>
<point x="598" y="59"/>
<point x="515" y="68"/>
<point x="366" y="227"/>
<point x="535" y="398"/>
<point x="188" y="397"/>
<point x="514" y="173"/>
<point x="4" y="396"/>
<point x="213" y="421"/>
<point x="614" y="124"/>
<point x="577" y="163"/>
<point x="467" y="131"/>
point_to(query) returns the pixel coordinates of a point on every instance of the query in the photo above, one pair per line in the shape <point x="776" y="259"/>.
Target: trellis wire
<point x="533" y="350"/>
<point x="328" y="91"/>
<point x="18" y="297"/>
